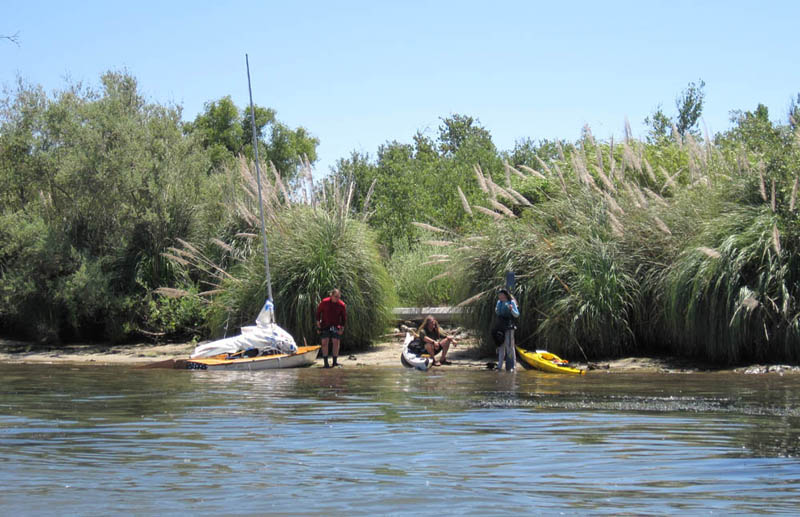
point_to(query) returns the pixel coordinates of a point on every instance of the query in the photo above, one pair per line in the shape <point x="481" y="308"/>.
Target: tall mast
<point x="258" y="181"/>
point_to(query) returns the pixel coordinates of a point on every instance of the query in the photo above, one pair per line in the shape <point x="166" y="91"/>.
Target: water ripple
<point x="99" y="441"/>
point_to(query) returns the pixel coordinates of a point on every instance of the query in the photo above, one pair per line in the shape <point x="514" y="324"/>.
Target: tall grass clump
<point x="316" y="244"/>
<point x="680" y="247"/>
<point x="421" y="275"/>
<point x="575" y="293"/>
<point x="731" y="292"/>
<point x="734" y="296"/>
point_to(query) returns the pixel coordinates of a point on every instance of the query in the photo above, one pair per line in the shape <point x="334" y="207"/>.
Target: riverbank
<point x="385" y="354"/>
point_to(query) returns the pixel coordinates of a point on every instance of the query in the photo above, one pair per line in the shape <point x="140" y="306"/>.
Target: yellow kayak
<point x="547" y="362"/>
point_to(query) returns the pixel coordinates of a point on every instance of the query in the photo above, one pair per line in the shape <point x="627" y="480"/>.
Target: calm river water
<point x="81" y="440"/>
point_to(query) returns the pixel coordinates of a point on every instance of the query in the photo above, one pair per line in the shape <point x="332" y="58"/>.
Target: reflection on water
<point x="99" y="440"/>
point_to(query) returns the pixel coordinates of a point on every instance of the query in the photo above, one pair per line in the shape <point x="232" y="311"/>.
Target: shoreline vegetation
<point x="122" y="223"/>
<point x="384" y="354"/>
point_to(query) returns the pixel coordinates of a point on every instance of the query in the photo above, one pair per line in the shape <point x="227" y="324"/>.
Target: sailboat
<point x="262" y="346"/>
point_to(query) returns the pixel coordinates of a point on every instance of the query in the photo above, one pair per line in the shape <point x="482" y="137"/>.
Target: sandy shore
<point x="386" y="353"/>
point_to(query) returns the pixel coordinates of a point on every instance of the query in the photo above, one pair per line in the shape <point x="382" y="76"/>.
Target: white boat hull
<point x="412" y="360"/>
<point x="305" y="356"/>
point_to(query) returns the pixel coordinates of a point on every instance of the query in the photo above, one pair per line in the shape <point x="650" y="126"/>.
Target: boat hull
<point x="547" y="362"/>
<point x="411" y="360"/>
<point x="305" y="356"/>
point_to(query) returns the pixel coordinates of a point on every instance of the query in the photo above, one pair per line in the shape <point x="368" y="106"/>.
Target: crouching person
<point x="435" y="340"/>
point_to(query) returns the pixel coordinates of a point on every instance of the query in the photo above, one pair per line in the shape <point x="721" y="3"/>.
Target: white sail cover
<point x="265" y="335"/>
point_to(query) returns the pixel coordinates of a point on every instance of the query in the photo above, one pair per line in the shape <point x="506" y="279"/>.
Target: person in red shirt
<point x="331" y="318"/>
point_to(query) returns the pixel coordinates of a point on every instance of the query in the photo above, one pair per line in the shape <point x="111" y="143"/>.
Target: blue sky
<point x="358" y="74"/>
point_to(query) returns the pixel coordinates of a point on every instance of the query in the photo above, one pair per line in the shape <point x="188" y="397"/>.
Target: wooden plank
<point x="442" y="314"/>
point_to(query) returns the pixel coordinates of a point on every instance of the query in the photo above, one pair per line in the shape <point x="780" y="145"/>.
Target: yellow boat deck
<point x="548" y="362"/>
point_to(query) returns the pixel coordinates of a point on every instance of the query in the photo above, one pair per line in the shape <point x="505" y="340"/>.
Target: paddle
<point x="511" y="280"/>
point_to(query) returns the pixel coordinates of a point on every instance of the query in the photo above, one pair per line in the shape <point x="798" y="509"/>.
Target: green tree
<point x="528" y="152"/>
<point x="660" y="126"/>
<point x="226" y="132"/>
<point x="794" y="112"/>
<point x="690" y="107"/>
<point x="456" y="130"/>
<point x="96" y="185"/>
<point x="359" y="171"/>
<point x="220" y="130"/>
<point x="417" y="182"/>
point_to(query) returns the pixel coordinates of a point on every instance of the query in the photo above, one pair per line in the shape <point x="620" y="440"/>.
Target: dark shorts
<point x="417" y="347"/>
<point x="330" y="332"/>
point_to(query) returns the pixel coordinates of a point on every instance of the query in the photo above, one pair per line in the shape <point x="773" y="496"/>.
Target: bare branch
<point x="14" y="38"/>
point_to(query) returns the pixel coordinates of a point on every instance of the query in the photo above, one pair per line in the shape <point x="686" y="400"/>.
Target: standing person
<point x="330" y="318"/>
<point x="507" y="311"/>
<point x="435" y="340"/>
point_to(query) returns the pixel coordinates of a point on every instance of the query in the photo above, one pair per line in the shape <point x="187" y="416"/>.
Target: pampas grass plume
<point x="533" y="172"/>
<point x="464" y="202"/>
<point x="490" y="213"/>
<point x="428" y="227"/>
<point x="776" y="239"/>
<point x="710" y="252"/>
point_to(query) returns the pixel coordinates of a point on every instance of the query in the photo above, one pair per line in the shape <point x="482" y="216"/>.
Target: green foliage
<point x="421" y="276"/>
<point x="671" y="247"/>
<point x="220" y="130"/>
<point x="739" y="303"/>
<point x="660" y="126"/>
<point x="527" y="152"/>
<point x="536" y="190"/>
<point x="417" y="182"/>
<point x="28" y="264"/>
<point x="574" y="286"/>
<point x="312" y="252"/>
<point x="679" y="245"/>
<point x="690" y="107"/>
<point x="794" y="113"/>
<point x="176" y="317"/>
<point x="460" y="131"/>
<point x="321" y="251"/>
<point x="109" y="181"/>
<point x="226" y="132"/>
